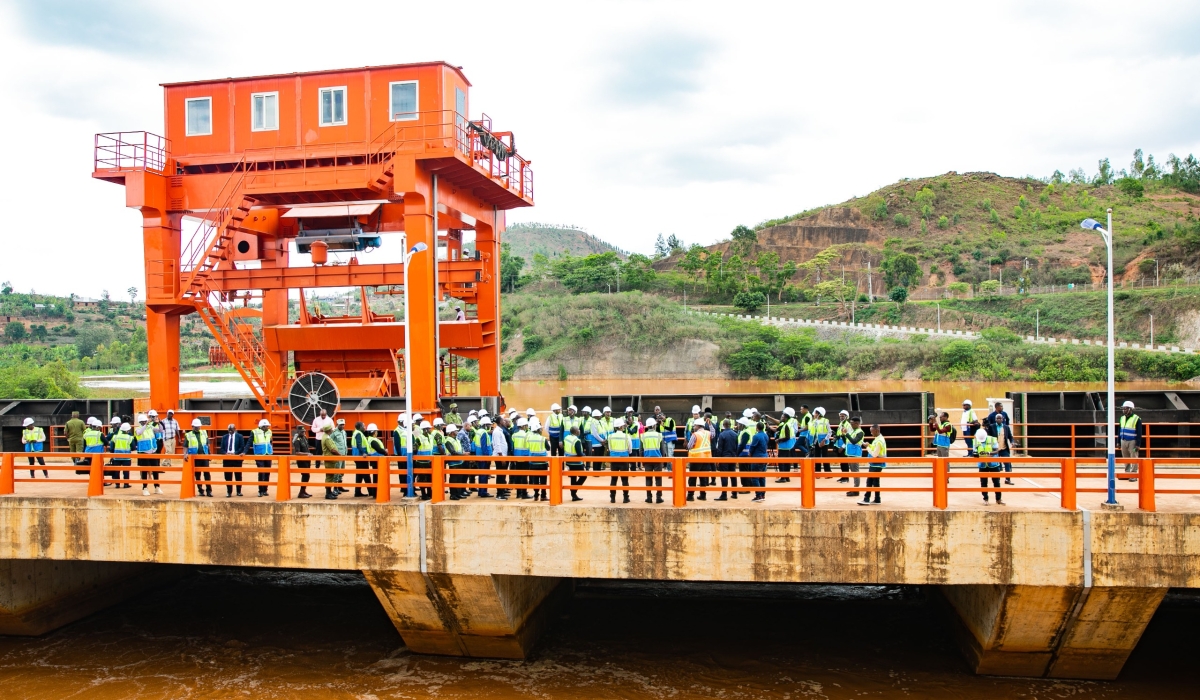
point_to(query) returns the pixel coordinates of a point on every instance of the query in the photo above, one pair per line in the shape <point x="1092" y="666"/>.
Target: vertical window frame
<point x="416" y="113"/>
<point x="345" y="106"/>
<point x="187" y="121"/>
<point x="254" y="96"/>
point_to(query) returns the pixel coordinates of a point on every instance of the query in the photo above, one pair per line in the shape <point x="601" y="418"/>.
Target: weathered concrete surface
<point x="1051" y="631"/>
<point x="476" y="616"/>
<point x="37" y="596"/>
<point x="1136" y="548"/>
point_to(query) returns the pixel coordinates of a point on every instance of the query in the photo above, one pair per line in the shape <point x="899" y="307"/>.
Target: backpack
<point x="953" y="434"/>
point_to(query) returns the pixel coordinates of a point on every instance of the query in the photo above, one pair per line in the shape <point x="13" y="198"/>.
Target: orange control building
<point x="322" y="162"/>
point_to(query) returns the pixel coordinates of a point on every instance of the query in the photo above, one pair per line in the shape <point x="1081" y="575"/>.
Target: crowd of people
<point x="636" y="444"/>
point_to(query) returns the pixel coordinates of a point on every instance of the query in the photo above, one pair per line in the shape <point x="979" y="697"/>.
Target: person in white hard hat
<point x="34" y="440"/>
<point x="147" y="443"/>
<point x="375" y="449"/>
<point x="260" y="444"/>
<point x="595" y="434"/>
<point x="357" y="445"/>
<point x="535" y="442"/>
<point x="1129" y="426"/>
<point x="820" y="438"/>
<point x="844" y="431"/>
<point x="453" y="449"/>
<point x="196" y="443"/>
<point x="619" y="444"/>
<point x="696" y="418"/>
<point x="786" y="439"/>
<point x="121" y="443"/>
<point x="968" y="433"/>
<point x="651" y="441"/>
<point x="555" y="424"/>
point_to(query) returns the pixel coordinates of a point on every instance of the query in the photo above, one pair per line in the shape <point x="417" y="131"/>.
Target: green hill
<point x="524" y="240"/>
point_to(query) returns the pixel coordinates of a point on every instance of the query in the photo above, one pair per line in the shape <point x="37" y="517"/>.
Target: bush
<point x="533" y="343"/>
<point x="1131" y="186"/>
<point x="959" y="288"/>
<point x="753" y="360"/>
<point x="880" y="212"/>
<point x="943" y="222"/>
<point x="898" y="295"/>
<point x="749" y="301"/>
<point x="990" y="287"/>
<point x="14" y="331"/>
<point x="901" y="220"/>
<point x="1000" y="335"/>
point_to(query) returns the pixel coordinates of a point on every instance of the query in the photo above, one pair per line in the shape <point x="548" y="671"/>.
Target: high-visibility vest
<point x="535" y="444"/>
<point x="122" y="443"/>
<point x="854" y="449"/>
<point x="261" y="440"/>
<point x="987" y="447"/>
<point x="942" y="439"/>
<point x="424" y="444"/>
<point x="787" y="434"/>
<point x="358" y="443"/>
<point x="878" y="447"/>
<point x="820" y="428"/>
<point x="805" y="424"/>
<point x="146" y="441"/>
<point x="93" y="440"/>
<point x="453" y="449"/>
<point x="375" y="447"/>
<point x="606" y="427"/>
<point x="1129" y="427"/>
<point x="618" y="444"/>
<point x="969" y="417"/>
<point x="703" y="446"/>
<point x="687" y="429"/>
<point x="633" y="430"/>
<point x="554" y="424"/>
<point x="572" y="446"/>
<point x="519" y="448"/>
<point x="481" y="440"/>
<point x="668" y="429"/>
<point x="196" y="444"/>
<point x="34" y="437"/>
<point x="586" y="430"/>
<point x="652" y="441"/>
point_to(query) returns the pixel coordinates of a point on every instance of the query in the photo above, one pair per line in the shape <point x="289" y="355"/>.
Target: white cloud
<point x="640" y="117"/>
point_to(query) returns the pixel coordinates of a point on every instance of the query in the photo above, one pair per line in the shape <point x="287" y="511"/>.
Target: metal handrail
<point x="131" y="151"/>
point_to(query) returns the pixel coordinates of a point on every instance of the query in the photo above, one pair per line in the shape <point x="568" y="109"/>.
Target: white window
<point x="333" y="106"/>
<point x="264" y="108"/>
<point x="199" y="116"/>
<point x="404" y="101"/>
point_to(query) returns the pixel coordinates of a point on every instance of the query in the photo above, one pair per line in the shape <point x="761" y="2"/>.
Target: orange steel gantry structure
<point x="264" y="167"/>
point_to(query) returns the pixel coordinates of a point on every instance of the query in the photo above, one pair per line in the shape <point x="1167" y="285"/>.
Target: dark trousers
<point x="656" y="480"/>
<point x="202" y="476"/>
<point x="759" y="481"/>
<point x="116" y="474"/>
<point x="39" y="461"/>
<point x="556" y="446"/>
<point x="263" y="476"/>
<point x="731" y="481"/>
<point x="149" y="474"/>
<point x="576" y="480"/>
<point x="702" y="481"/>
<point x="483" y="476"/>
<point x="539" y="480"/>
<point x="455" y="492"/>
<point x="231" y="475"/>
<point x="1006" y="453"/>
<point x="304" y="464"/>
<point x="847" y="467"/>
<point x="872" y="482"/>
<point x="362" y="478"/>
<point x="820" y="452"/>
<point x="986" y="467"/>
<point x="970" y="443"/>
<point x="785" y="453"/>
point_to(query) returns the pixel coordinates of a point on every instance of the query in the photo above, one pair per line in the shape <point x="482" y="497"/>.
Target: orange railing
<point x="131" y="150"/>
<point x="678" y="479"/>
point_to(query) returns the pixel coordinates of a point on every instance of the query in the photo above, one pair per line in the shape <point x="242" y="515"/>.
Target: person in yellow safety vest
<point x="853" y="447"/>
<point x="93" y="440"/>
<point x="666" y="426"/>
<point x="699" y="445"/>
<point x="375" y="448"/>
<point x="876" y="450"/>
<point x="820" y="438"/>
<point x="196" y="440"/>
<point x="618" y="443"/>
<point x="573" y="447"/>
<point x="968" y="433"/>
<point x="358" y="448"/>
<point x="453" y="450"/>
<point x="34" y="440"/>
<point x="555" y="423"/>
<point x="424" y="445"/>
<point x="607" y="424"/>
<point x="785" y="441"/>
<point x="985" y="447"/>
<point x="695" y="418"/>
<point x="652" y="442"/>
<point x="147" y="443"/>
<point x="840" y="433"/>
<point x="260" y="439"/>
<point x="593" y="430"/>
<point x="572" y="420"/>
<point x="122" y="444"/>
<point x="1130" y="434"/>
<point x="942" y="430"/>
<point x="535" y="442"/>
<point x="520" y="448"/>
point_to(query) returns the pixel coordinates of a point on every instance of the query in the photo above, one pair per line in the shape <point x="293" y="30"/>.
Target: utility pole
<point x="870" y="291"/>
<point x="939" y="308"/>
<point x="1151" y="331"/>
<point x="1037" y="324"/>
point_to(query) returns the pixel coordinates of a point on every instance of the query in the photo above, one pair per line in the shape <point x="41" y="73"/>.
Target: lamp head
<point x="1091" y="225"/>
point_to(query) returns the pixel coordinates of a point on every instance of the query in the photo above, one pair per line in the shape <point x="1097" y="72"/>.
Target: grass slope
<point x="524" y="240"/>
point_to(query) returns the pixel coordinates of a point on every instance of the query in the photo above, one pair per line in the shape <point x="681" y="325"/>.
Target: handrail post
<point x="808" y="483"/>
<point x="1068" y="484"/>
<point x="96" y="477"/>
<point x="383" y="485"/>
<point x="6" y="474"/>
<point x="283" y="481"/>
<point x="438" y="467"/>
<point x="556" y="468"/>
<point x="1146" y="485"/>
<point x="941" y="478"/>
<point x="187" y="477"/>
<point x="678" y="483"/>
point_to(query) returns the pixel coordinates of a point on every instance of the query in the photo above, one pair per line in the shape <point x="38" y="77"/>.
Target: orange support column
<point x="283" y="482"/>
<point x="808" y="484"/>
<point x="162" y="337"/>
<point x="487" y="242"/>
<point x="941" y="479"/>
<point x="7" y="480"/>
<point x="556" y="470"/>
<point x="678" y="483"/>
<point x="1146" y="485"/>
<point x="438" y="478"/>
<point x="96" y="477"/>
<point x="383" y="485"/>
<point x="1069" y="484"/>
<point x="420" y="297"/>
<point x="187" y="478"/>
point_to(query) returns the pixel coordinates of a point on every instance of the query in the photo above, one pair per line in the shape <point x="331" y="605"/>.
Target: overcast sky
<point x="640" y="117"/>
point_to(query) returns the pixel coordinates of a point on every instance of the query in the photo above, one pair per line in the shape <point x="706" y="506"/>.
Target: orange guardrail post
<point x="678" y="483"/>
<point x="187" y="477"/>
<point x="941" y="479"/>
<point x="96" y="477"/>
<point x="6" y="474"/>
<point x="556" y="464"/>
<point x="283" y="481"/>
<point x="1146" y="485"/>
<point x="1068" y="484"/>
<point x="438" y="467"/>
<point x="383" y="486"/>
<point x="808" y="483"/>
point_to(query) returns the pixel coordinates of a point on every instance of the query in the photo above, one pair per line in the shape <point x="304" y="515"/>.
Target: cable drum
<point x="311" y="393"/>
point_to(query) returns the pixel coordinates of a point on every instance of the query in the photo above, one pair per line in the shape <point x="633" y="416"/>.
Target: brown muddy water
<point x="227" y="633"/>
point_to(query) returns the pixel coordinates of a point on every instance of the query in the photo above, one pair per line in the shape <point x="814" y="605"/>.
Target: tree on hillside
<point x="132" y="292"/>
<point x="749" y="301"/>
<point x="674" y="244"/>
<point x="901" y="269"/>
<point x="693" y="263"/>
<point x="637" y="273"/>
<point x="834" y="289"/>
<point x="591" y="273"/>
<point x="773" y="276"/>
<point x="14" y="331"/>
<point x="660" y="247"/>
<point x="899" y="295"/>
<point x="743" y="240"/>
<point x="510" y="270"/>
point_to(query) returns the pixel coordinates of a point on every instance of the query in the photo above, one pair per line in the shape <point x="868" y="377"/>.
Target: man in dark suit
<point x="232" y="443"/>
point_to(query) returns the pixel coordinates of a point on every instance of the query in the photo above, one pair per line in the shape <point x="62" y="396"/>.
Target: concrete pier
<point x="1039" y="592"/>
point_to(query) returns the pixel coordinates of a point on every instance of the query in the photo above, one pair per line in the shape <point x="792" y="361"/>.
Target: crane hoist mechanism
<point x="279" y="173"/>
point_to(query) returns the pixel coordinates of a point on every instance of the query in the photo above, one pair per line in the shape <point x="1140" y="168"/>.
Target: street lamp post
<point x="1106" y="234"/>
<point x="408" y="400"/>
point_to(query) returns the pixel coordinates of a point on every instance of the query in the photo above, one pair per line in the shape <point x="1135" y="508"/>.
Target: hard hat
<point x="116" y="420"/>
<point x="472" y="412"/>
<point x="438" y="421"/>
<point x="595" y="414"/>
<point x="754" y="411"/>
<point x="619" y="423"/>
<point x="587" y="409"/>
<point x="555" y="407"/>
<point x="124" y="426"/>
<point x="92" y="420"/>
<point x="530" y="412"/>
<point x="170" y="411"/>
<point x="967" y="402"/>
<point x="535" y="424"/>
<point x="468" y="420"/>
<point x="606" y="409"/>
<point x="790" y="411"/>
<point x="402" y="420"/>
<point x="572" y="408"/>
<point x="747" y="413"/>
<point x="152" y="412"/>
<point x="650" y="422"/>
<point x="512" y="415"/>
<point x="485" y="421"/>
<point x="451" y="428"/>
<point x="695" y="409"/>
<point x="425" y="425"/>
<point x="483" y="412"/>
<point x="1127" y="404"/>
<point x="521" y="422"/>
<point x="141" y="418"/>
<point x="417" y="417"/>
<point x="196" y="423"/>
<point x="745" y="421"/>
<point x="27" y="421"/>
<point x="819" y="409"/>
<point x="629" y="409"/>
<point x="372" y="427"/>
<point x="264" y="423"/>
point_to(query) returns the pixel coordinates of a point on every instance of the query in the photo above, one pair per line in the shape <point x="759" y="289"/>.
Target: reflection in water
<point x="281" y="634"/>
